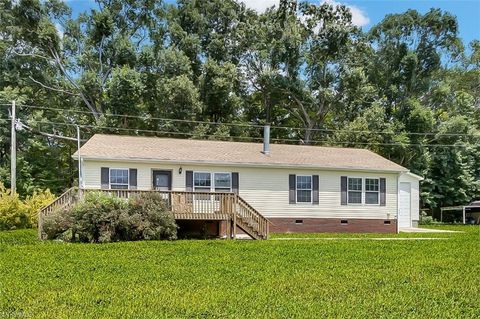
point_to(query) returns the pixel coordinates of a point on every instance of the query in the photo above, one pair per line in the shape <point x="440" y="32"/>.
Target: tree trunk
<point x="307" y="136"/>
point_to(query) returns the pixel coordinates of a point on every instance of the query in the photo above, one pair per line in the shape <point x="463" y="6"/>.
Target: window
<point x="202" y="182"/>
<point x="304" y="189"/>
<point x="118" y="178"/>
<point x="372" y="191"/>
<point x="222" y="182"/>
<point x="354" y="190"/>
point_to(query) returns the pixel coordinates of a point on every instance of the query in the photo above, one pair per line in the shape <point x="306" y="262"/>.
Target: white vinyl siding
<point x="267" y="189"/>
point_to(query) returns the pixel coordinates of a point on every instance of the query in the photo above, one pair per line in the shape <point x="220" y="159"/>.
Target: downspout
<point x="398" y="201"/>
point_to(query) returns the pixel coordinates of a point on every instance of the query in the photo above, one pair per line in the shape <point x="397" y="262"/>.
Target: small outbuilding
<point x="472" y="212"/>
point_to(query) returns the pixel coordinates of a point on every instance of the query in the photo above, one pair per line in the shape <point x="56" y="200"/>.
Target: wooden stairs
<point x="229" y="207"/>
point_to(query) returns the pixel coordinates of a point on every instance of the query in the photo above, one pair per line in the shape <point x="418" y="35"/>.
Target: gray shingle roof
<point x="120" y="147"/>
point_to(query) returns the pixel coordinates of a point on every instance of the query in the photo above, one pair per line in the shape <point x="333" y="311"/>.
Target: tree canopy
<point x="409" y="88"/>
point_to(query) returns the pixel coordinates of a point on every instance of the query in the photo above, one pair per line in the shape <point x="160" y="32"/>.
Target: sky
<point x="366" y="13"/>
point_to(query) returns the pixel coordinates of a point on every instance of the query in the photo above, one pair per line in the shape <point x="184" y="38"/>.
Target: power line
<point x="255" y="125"/>
<point x="146" y="117"/>
<point x="317" y="142"/>
<point x="49" y="134"/>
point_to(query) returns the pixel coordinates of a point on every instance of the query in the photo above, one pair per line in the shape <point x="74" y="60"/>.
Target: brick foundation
<point x="332" y="225"/>
<point x="209" y="229"/>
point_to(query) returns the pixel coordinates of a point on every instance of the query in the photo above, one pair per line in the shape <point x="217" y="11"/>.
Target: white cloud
<point x="359" y="17"/>
<point x="59" y="30"/>
<point x="260" y="5"/>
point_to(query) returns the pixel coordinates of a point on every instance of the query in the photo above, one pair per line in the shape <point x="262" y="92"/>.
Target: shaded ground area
<point x="426" y="230"/>
<point x="244" y="279"/>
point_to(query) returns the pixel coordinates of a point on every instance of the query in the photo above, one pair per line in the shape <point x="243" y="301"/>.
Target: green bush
<point x="104" y="218"/>
<point x="15" y="213"/>
<point x="425" y="219"/>
<point x="150" y="218"/>
<point x="35" y="202"/>
<point x="96" y="218"/>
<point x="58" y="225"/>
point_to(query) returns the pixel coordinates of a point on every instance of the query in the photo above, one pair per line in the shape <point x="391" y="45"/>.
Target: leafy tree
<point x="407" y="89"/>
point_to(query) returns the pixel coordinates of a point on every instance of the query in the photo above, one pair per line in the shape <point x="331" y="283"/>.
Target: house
<point x="297" y="188"/>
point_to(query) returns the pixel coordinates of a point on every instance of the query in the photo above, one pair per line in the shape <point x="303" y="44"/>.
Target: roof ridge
<point x="150" y="148"/>
<point x="237" y="142"/>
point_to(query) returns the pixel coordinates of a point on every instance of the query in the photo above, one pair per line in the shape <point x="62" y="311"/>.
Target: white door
<point x="404" y="210"/>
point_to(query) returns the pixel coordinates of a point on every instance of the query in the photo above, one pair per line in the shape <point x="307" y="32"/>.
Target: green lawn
<point x="242" y="279"/>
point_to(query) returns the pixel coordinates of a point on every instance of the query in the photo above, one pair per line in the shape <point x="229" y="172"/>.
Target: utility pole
<point x="13" y="153"/>
<point x="79" y="163"/>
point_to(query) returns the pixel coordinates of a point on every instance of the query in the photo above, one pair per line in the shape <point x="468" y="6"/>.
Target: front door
<point x="162" y="180"/>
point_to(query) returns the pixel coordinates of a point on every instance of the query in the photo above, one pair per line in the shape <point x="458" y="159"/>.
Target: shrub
<point x="151" y="218"/>
<point x="35" y="202"/>
<point x="425" y="219"/>
<point x="104" y="218"/>
<point x="15" y="213"/>
<point x="58" y="225"/>
<point x="96" y="217"/>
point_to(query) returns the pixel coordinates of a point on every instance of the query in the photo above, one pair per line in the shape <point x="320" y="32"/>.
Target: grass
<point x="242" y="279"/>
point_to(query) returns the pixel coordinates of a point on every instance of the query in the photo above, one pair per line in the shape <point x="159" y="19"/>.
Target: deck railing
<point x="68" y="198"/>
<point x="187" y="205"/>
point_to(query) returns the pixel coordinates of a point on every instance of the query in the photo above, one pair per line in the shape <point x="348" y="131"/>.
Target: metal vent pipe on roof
<point x="266" y="139"/>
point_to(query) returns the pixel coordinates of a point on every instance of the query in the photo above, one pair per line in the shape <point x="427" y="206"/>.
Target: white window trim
<point x="215" y="186"/>
<point x="212" y="180"/>
<point x="361" y="191"/>
<point x="311" y="189"/>
<point x="110" y="175"/>
<point x="365" y="191"/>
<point x="204" y="187"/>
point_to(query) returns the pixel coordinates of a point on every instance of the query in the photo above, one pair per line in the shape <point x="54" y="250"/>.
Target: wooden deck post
<point x="40" y="225"/>
<point x="228" y="228"/>
<point x="234" y="213"/>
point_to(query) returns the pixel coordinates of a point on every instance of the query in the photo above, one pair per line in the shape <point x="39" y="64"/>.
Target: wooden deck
<point x="218" y="206"/>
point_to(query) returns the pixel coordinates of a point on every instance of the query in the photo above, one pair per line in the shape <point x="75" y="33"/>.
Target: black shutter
<point x="383" y="189"/>
<point x="132" y="178"/>
<point x="315" y="190"/>
<point x="235" y="182"/>
<point x="343" y="190"/>
<point x="105" y="178"/>
<point x="291" y="188"/>
<point x="189" y="181"/>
